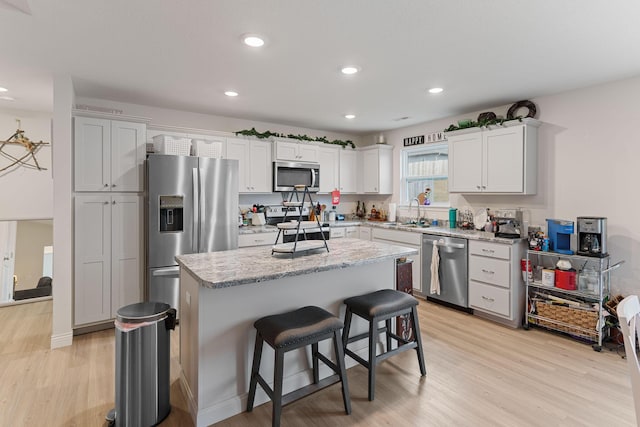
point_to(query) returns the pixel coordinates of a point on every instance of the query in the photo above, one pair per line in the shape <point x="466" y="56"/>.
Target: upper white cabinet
<point x="108" y="255"/>
<point x="348" y="171"/>
<point x="500" y="161"/>
<point x="255" y="171"/>
<point x="109" y="155"/>
<point x="377" y="169"/>
<point x="295" y="152"/>
<point x="329" y="160"/>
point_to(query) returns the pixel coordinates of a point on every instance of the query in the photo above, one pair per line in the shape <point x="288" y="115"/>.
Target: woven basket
<point x="587" y="320"/>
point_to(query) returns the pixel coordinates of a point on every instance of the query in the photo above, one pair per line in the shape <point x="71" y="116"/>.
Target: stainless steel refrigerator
<point x="192" y="206"/>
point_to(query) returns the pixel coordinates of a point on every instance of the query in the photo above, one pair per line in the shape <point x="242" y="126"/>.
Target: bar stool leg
<point x="373" y="329"/>
<point x="387" y="324"/>
<point x="314" y="358"/>
<point x="277" y="388"/>
<point x="255" y="369"/>
<point x="347" y="326"/>
<point x="342" y="371"/>
<point x="418" y="339"/>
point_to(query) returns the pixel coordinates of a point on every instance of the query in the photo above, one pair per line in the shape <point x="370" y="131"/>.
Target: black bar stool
<point x="289" y="331"/>
<point x="376" y="307"/>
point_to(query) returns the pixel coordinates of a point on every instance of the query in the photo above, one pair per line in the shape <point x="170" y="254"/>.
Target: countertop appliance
<point x="286" y="175"/>
<point x="509" y="223"/>
<point x="453" y="270"/>
<point x="559" y="232"/>
<point x="192" y="206"/>
<point x="276" y="214"/>
<point x="592" y="236"/>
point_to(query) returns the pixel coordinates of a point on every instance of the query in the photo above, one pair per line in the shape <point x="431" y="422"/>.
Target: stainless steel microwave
<point x="288" y="174"/>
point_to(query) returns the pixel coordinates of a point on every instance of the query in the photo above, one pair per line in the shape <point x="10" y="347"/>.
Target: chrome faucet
<point x="417" y="208"/>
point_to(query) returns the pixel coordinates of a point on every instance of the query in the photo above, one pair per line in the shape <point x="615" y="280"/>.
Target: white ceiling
<point x="185" y="54"/>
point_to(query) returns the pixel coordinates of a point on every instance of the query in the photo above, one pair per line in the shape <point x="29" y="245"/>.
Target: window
<point x="426" y="168"/>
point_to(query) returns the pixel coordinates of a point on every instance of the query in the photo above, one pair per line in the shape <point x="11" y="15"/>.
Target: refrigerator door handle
<point x="196" y="212"/>
<point x="169" y="271"/>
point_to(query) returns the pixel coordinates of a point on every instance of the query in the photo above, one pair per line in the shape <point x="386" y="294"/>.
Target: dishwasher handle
<point x="444" y="244"/>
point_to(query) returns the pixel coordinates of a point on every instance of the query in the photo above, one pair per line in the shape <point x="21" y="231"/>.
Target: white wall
<point x="26" y="193"/>
<point x="588" y="165"/>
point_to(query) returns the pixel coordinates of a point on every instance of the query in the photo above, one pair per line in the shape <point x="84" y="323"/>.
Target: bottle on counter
<point x="374" y="212"/>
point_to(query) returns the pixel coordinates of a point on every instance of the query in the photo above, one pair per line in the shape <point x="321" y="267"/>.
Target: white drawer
<point x="493" y="250"/>
<point x="257" y="239"/>
<point x="397" y="236"/>
<point x="489" y="298"/>
<point x="489" y="270"/>
<point x="337" y="232"/>
<point x="352" y="232"/>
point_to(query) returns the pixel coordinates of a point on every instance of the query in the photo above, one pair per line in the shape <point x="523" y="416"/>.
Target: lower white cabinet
<point x="257" y="239"/>
<point x="365" y="233"/>
<point x="351" y="232"/>
<point x="408" y="239"/>
<point x="495" y="281"/>
<point x="108" y="255"/>
<point x="337" y="232"/>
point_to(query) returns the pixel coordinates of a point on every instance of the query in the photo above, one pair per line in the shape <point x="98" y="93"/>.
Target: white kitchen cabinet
<point x="109" y="155"/>
<point x="257" y="239"/>
<point x="337" y="232"/>
<point x="255" y="171"/>
<point x="329" y="160"/>
<point x="376" y="171"/>
<point x="365" y="233"/>
<point x="348" y="170"/>
<point x="352" y="232"/>
<point x="495" y="282"/>
<point x="295" y="152"/>
<point x="408" y="239"/>
<point x="498" y="161"/>
<point x="108" y="255"/>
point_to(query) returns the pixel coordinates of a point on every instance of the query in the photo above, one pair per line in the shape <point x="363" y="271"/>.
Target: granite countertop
<point x="256" y="264"/>
<point x="254" y="229"/>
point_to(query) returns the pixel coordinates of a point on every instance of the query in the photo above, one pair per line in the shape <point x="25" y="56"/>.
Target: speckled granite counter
<point x="256" y="264"/>
<point x="254" y="229"/>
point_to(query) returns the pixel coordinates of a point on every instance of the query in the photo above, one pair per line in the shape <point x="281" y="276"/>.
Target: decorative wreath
<point x="522" y="104"/>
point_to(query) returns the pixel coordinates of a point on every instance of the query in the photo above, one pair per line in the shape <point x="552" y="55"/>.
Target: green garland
<point x="269" y="134"/>
<point x="482" y="123"/>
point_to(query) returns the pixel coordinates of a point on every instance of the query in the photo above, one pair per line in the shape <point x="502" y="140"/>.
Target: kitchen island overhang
<point x="223" y="293"/>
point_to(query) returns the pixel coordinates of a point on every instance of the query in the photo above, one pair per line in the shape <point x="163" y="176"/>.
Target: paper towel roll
<point x="392" y="212"/>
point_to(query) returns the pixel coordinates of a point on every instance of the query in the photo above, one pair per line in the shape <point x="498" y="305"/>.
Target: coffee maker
<point x="509" y="223"/>
<point x="592" y="236"/>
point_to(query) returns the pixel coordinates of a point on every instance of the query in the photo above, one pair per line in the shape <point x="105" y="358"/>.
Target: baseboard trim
<point x="61" y="340"/>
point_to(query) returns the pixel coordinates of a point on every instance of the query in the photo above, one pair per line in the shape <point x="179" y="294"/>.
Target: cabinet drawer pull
<point x="488" y="271"/>
<point x="488" y="299"/>
<point x="488" y="250"/>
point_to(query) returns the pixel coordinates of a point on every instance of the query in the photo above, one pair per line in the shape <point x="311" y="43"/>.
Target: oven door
<point x="286" y="175"/>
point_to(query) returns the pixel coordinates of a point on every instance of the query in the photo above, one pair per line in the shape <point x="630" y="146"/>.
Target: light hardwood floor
<point x="478" y="374"/>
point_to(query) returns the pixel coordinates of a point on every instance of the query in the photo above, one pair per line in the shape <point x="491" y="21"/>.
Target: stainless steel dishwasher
<point x="452" y="272"/>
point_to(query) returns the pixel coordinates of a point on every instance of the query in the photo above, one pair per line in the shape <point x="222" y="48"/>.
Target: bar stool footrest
<point x="309" y="389"/>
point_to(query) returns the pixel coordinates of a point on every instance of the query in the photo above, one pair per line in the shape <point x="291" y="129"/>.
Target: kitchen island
<point x="223" y="293"/>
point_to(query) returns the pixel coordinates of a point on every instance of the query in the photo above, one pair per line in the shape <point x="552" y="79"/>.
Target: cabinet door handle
<point x="478" y="187"/>
<point x="106" y="185"/>
<point x="488" y="299"/>
<point x="113" y="185"/>
<point x="105" y="203"/>
<point x="113" y="203"/>
<point x="484" y="187"/>
<point x="488" y="271"/>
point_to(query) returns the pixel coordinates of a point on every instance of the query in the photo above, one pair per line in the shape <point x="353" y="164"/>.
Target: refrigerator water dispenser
<point x="171" y="211"/>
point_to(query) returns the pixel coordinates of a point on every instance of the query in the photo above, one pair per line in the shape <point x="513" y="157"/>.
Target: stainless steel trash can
<point x="142" y="364"/>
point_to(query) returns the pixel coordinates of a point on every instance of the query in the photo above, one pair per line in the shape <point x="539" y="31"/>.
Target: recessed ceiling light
<point x="2" y="89"/>
<point x="350" y="69"/>
<point x="349" y="116"/>
<point x="231" y="93"/>
<point x="7" y="98"/>
<point x="435" y="90"/>
<point x="253" y="40"/>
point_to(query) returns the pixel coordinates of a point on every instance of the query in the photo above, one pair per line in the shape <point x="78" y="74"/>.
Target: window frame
<point x="406" y="153"/>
